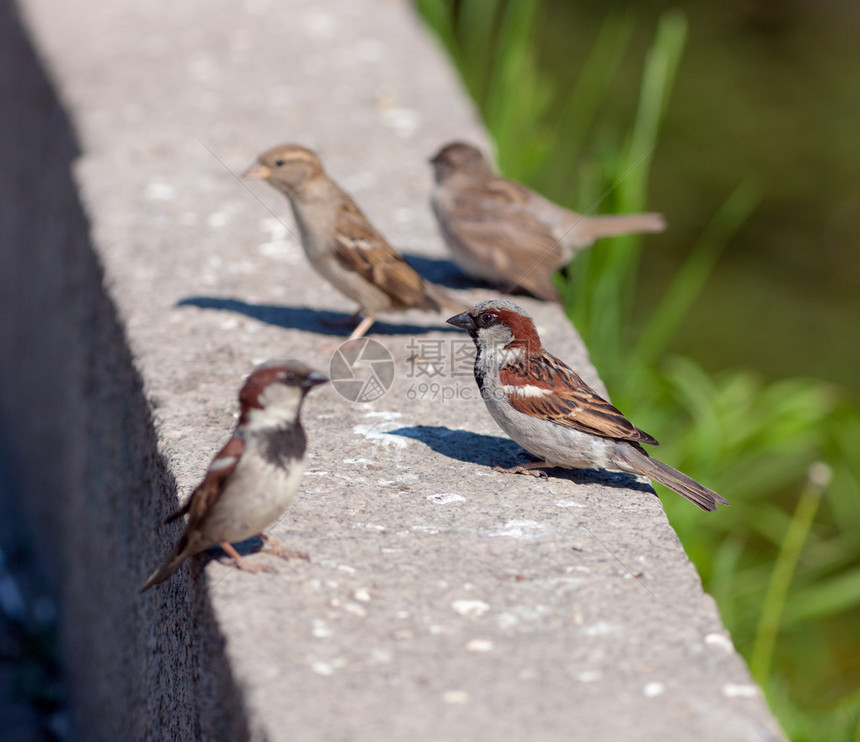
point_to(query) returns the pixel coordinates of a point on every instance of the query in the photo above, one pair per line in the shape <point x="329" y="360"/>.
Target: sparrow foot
<point x="240" y="562"/>
<point x="533" y="469"/>
<point x="279" y="550"/>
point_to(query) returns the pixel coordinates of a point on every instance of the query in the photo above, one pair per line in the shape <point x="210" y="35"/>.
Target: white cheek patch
<point x="527" y="390"/>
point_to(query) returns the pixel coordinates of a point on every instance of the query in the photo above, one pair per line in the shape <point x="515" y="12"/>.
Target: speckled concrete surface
<point x="442" y="600"/>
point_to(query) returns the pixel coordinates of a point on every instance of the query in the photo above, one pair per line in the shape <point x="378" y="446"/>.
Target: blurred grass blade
<point x="688" y="283"/>
<point x="476" y="25"/>
<point x="588" y="98"/>
<point x="437" y="14"/>
<point x="661" y="68"/>
<point x="783" y="572"/>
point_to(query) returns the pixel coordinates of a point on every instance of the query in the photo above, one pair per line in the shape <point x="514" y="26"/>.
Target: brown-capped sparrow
<point x="551" y="412"/>
<point x="341" y="243"/>
<point x="502" y="232"/>
<point x="254" y="476"/>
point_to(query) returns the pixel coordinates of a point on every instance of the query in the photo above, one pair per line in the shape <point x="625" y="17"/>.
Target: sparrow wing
<point x="493" y="222"/>
<point x="548" y="389"/>
<point x="219" y="472"/>
<point x="361" y="248"/>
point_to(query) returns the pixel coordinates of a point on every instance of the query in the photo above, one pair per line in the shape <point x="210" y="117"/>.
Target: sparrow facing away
<point x="543" y="405"/>
<point x="253" y="478"/>
<point x="502" y="232"/>
<point x="341" y="243"/>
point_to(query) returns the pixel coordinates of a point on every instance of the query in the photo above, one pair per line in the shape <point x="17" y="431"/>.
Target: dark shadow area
<point x="441" y="271"/>
<point x="490" y="450"/>
<point x="86" y="484"/>
<point x="447" y="273"/>
<point x="319" y="321"/>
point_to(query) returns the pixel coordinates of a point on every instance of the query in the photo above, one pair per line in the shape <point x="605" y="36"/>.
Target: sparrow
<point x="543" y="405"/>
<point x="502" y="232"/>
<point x="253" y="478"/>
<point x="341" y="243"/>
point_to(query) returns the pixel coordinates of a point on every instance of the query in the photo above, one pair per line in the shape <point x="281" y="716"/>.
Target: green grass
<point x="784" y="562"/>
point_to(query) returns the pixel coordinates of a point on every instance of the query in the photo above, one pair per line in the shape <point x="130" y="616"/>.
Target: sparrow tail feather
<point x="166" y="570"/>
<point x="699" y="495"/>
<point x="607" y="226"/>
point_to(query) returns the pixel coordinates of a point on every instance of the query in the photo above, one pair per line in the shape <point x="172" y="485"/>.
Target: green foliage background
<point x="784" y="562"/>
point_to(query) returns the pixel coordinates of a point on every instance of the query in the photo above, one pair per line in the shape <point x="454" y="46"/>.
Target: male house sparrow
<point x="341" y="243"/>
<point x="502" y="232"/>
<point x="253" y="478"/>
<point x="551" y="412"/>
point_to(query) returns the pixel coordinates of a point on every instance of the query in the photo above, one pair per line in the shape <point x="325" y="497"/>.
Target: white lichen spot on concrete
<point x="362" y="595"/>
<point x="740" y="690"/>
<point x="380" y="656"/>
<point x="470" y="608"/>
<point x="378" y="433"/>
<point x="569" y="504"/>
<point x="589" y="676"/>
<point x="218" y="219"/>
<point x="426" y="529"/>
<point x="601" y="628"/>
<point x="322" y="668"/>
<point x="403" y="121"/>
<point x="479" y="645"/>
<point x="520" y="529"/>
<point x="652" y="690"/>
<point x="158" y="190"/>
<point x="720" y="641"/>
<point x="346" y="568"/>
<point x="444" y="498"/>
<point x="389" y="415"/>
<point x="355" y="609"/>
<point x="369" y="526"/>
<point x="455" y="696"/>
<point x="320" y="629"/>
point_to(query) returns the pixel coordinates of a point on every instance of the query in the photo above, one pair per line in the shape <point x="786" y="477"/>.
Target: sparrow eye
<point x="486" y="319"/>
<point x="280" y="162"/>
<point x="288" y="377"/>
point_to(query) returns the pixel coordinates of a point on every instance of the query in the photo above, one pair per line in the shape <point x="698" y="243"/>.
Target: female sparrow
<point x="341" y="243"/>
<point x="502" y="232"/>
<point x="551" y="412"/>
<point x="253" y="478"/>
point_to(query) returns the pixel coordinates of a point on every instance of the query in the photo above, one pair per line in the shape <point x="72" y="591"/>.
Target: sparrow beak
<point x="315" y="378"/>
<point x="462" y="320"/>
<point x="257" y="172"/>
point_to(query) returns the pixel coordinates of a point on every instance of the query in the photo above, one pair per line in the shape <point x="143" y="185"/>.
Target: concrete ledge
<point x="139" y="280"/>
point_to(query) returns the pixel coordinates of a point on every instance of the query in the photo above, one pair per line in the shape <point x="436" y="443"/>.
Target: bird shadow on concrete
<point x="253" y="545"/>
<point x="491" y="450"/>
<point x="446" y="273"/>
<point x="319" y="321"/>
<point x="442" y="272"/>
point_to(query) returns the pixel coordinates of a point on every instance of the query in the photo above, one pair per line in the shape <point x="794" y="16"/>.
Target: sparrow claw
<point x="246" y="566"/>
<point x="279" y="550"/>
<point x="530" y="469"/>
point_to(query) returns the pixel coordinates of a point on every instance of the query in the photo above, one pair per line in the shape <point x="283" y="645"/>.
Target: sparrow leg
<point x="533" y="469"/>
<point x="280" y="550"/>
<point x="363" y="327"/>
<point x="240" y="562"/>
